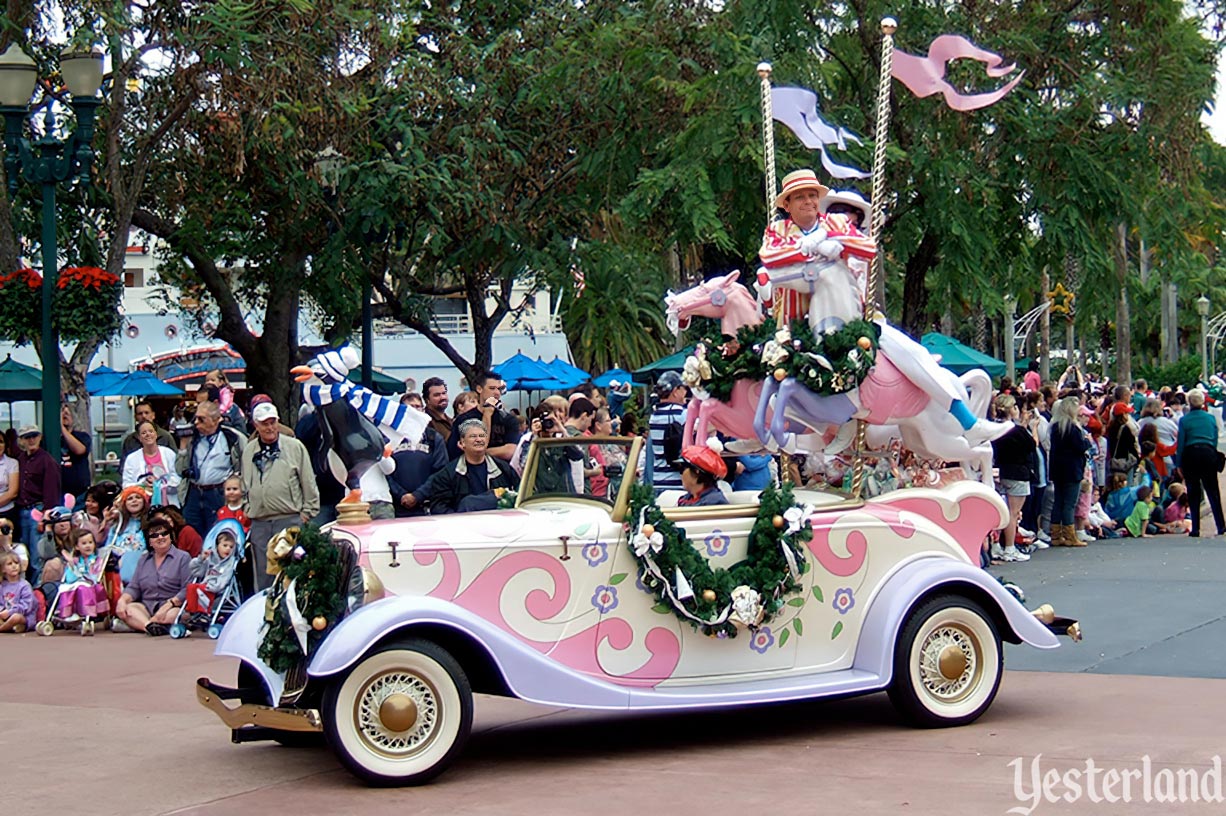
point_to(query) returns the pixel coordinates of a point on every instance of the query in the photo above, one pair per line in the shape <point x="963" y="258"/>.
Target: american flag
<point x="580" y="283"/>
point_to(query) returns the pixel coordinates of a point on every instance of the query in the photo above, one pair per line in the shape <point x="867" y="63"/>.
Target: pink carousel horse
<point x="726" y="299"/>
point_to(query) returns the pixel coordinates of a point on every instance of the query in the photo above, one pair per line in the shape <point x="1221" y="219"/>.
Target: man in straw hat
<point x="807" y="235"/>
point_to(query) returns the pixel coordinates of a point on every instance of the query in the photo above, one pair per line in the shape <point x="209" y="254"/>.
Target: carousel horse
<point x="894" y="405"/>
<point x="726" y="299"/>
<point x="355" y="420"/>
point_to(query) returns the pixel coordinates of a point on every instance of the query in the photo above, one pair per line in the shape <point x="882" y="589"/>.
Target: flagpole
<point x="875" y="294"/>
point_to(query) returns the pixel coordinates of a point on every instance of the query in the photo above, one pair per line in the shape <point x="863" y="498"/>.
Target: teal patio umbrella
<point x="19" y="382"/>
<point x="959" y="357"/>
<point x="673" y="362"/>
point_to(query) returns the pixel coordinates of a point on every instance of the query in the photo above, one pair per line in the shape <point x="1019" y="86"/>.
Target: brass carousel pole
<point x="872" y="296"/>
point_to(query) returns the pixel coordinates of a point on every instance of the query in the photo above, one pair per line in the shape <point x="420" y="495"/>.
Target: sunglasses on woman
<point x="5" y="529"/>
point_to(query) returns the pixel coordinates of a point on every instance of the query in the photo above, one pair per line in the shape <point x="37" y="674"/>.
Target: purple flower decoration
<point x="604" y="598"/>
<point x="596" y="553"/>
<point x="638" y="583"/>
<point x="761" y="640"/>
<point x="844" y="600"/>
<point x="717" y="543"/>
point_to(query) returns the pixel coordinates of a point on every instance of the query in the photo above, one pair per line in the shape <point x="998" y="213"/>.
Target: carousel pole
<point x="875" y="294"/>
<point x="768" y="138"/>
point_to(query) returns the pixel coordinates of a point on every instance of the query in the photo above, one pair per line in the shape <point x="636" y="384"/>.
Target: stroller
<point x="213" y="594"/>
<point x="88" y="590"/>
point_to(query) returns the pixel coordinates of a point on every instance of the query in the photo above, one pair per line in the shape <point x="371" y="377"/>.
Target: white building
<point x="177" y="352"/>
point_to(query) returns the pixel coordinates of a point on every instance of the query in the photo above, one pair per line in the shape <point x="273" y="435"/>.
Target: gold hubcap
<point x="398" y="713"/>
<point x="950" y="668"/>
<point x="952" y="662"/>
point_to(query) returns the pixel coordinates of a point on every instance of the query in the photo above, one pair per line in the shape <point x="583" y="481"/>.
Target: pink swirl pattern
<point x="579" y="651"/>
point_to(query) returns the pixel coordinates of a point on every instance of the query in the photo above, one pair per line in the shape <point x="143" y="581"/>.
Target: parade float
<point x="377" y="634"/>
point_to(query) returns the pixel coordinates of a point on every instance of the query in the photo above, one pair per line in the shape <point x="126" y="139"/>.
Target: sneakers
<point x="117" y="625"/>
<point x="1013" y="554"/>
<point x="156" y="629"/>
<point x="1082" y="535"/>
<point x="1041" y="543"/>
<point x="1044" y="536"/>
<point x="1023" y="532"/>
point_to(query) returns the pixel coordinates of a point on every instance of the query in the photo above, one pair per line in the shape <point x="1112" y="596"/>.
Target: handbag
<point x="1123" y="464"/>
<point x="1221" y="461"/>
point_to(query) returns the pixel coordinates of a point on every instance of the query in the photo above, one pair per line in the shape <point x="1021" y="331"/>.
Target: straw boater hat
<point x="849" y="197"/>
<point x="799" y="180"/>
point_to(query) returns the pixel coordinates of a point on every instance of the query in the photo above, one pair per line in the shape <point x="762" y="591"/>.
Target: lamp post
<point x="1010" y="310"/>
<point x="329" y="164"/>
<point x="48" y="161"/>
<point x="1202" y="309"/>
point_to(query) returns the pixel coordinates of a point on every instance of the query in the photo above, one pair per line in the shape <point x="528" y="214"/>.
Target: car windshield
<point x="586" y="467"/>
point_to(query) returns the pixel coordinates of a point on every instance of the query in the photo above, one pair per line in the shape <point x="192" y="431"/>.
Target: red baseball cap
<point x="1121" y="408"/>
<point x="704" y="458"/>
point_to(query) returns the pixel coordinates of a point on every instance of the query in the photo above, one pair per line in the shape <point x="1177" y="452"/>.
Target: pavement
<point x="115" y="715"/>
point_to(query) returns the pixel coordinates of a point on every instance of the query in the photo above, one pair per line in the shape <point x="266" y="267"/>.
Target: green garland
<point x="734" y="359"/>
<point x="850" y="351"/>
<point x="314" y="562"/>
<point x="764" y="570"/>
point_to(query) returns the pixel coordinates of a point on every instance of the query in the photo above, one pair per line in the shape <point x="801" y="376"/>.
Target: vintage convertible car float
<point x="629" y="603"/>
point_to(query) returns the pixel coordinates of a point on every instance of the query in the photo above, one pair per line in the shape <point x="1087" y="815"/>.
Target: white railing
<point x="462" y="324"/>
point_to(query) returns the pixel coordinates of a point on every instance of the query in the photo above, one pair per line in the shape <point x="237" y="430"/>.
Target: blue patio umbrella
<point x="138" y="384"/>
<point x="101" y="377"/>
<point x="567" y="372"/>
<point x="619" y="374"/>
<point x="520" y="368"/>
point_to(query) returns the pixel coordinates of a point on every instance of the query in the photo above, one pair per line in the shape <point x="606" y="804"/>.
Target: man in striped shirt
<point x="670" y="410"/>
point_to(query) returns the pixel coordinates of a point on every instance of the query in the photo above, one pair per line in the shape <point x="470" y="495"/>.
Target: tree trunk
<point x="1123" y="329"/>
<point x="915" y="318"/>
<point x="1045" y="330"/>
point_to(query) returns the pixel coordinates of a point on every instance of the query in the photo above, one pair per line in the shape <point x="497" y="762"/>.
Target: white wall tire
<point x="948" y="663"/>
<point x="401" y="715"/>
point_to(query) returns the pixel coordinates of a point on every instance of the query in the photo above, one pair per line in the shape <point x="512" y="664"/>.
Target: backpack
<point x="672" y="443"/>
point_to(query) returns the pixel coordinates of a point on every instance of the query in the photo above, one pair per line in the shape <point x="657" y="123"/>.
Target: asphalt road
<point x="1150" y="606"/>
<point x="109" y="725"/>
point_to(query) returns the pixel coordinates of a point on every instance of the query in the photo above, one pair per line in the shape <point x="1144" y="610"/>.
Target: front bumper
<point x="248" y="721"/>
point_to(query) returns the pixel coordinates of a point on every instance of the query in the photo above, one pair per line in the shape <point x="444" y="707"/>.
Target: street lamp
<point x="1202" y="309"/>
<point x="46" y="162"/>
<point x="329" y="163"/>
<point x="1010" y="310"/>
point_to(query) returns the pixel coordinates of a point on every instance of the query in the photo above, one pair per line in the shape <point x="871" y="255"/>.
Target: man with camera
<point x="502" y="427"/>
<point x="205" y="460"/>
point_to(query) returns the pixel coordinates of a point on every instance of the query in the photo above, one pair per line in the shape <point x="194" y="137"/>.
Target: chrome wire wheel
<point x="401" y="714"/>
<point x="948" y="663"/>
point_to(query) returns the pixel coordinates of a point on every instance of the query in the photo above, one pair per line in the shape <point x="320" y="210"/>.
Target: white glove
<point x="808" y="244"/>
<point x="830" y="249"/>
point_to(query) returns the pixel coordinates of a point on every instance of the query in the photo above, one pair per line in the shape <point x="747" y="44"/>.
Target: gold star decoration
<point x="1061" y="300"/>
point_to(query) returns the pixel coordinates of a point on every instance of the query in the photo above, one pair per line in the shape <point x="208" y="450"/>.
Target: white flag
<point x="797" y="108"/>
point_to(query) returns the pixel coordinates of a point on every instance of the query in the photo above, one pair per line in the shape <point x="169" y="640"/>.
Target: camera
<point x="613" y="471"/>
<point x="549" y="424"/>
<point x="183" y="430"/>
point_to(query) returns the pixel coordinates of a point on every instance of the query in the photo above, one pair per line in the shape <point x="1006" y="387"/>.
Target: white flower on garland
<point x="796" y="517"/>
<point x="747" y="609"/>
<point x="774" y="353"/>
<point x="690" y="373"/>
<point x="642" y="544"/>
<point x="854" y="355"/>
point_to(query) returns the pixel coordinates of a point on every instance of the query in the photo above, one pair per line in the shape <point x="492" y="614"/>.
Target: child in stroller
<point x="81" y="596"/>
<point x="213" y="592"/>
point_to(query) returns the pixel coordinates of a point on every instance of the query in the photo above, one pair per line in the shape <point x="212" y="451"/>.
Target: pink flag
<point x="926" y="75"/>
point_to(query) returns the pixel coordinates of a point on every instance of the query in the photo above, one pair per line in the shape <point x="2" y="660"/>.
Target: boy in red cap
<point x="701" y="467"/>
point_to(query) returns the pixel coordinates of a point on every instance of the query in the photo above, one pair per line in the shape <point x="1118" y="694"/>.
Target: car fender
<point x="240" y="638"/>
<point x="529" y="674"/>
<point x="887" y="614"/>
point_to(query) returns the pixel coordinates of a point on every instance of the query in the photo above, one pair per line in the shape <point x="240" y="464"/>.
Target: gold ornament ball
<point x="708" y="595"/>
<point x="864" y="343"/>
<point x="320" y="623"/>
<point x="648" y="530"/>
<point x="781" y="374"/>
<point x="778" y="522"/>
